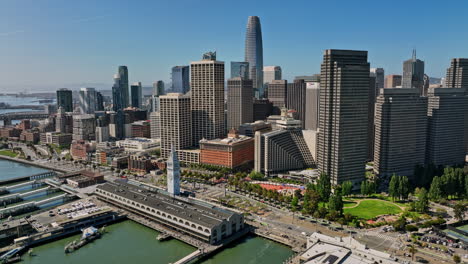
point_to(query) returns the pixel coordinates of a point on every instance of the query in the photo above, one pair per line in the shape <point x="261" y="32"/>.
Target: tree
<point x="364" y="188"/>
<point x="324" y="187"/>
<point x="400" y="224"/>
<point x="311" y="201"/>
<point x="393" y="187"/>
<point x="335" y="204"/>
<point x="459" y="210"/>
<point x="403" y="187"/>
<point x="346" y="188"/>
<point x="422" y="205"/>
<point x="412" y="250"/>
<point x="456" y="258"/>
<point x="256" y="176"/>
<point x="435" y="192"/>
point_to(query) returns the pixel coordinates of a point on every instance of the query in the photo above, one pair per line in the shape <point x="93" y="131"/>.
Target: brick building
<point x="140" y="164"/>
<point x="80" y="149"/>
<point x="30" y="136"/>
<point x="231" y="152"/>
<point x="141" y="129"/>
<point x="10" y="132"/>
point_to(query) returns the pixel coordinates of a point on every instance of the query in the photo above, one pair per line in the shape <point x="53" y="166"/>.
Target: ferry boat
<point x="88" y="234"/>
<point x="10" y="255"/>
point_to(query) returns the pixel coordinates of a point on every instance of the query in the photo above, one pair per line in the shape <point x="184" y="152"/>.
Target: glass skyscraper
<point x="254" y="54"/>
<point x="180" y="79"/>
<point x="123" y="74"/>
<point x="136" y="95"/>
<point x="240" y="69"/>
<point x="65" y="100"/>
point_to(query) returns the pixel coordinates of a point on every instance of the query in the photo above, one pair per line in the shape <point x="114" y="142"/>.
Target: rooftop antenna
<point x="414" y="54"/>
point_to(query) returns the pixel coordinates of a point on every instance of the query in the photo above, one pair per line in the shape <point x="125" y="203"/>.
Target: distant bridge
<point x="7" y="117"/>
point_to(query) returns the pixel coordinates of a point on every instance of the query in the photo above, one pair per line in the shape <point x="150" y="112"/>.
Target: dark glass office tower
<point x="123" y="74"/>
<point x="64" y="99"/>
<point x="240" y="69"/>
<point x="99" y="102"/>
<point x="117" y="95"/>
<point x="254" y="54"/>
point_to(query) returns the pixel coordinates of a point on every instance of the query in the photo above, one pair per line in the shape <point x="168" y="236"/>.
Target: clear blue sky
<point x="60" y="43"/>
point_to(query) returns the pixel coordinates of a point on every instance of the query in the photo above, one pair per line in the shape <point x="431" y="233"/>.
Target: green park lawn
<point x="369" y="209"/>
<point x="348" y="204"/>
<point x="8" y="153"/>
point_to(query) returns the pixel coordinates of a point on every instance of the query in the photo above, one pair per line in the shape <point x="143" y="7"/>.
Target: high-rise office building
<point x="239" y="102"/>
<point x="262" y="108"/>
<point x="446" y="126"/>
<point x="65" y="99"/>
<point x="457" y="74"/>
<point x="312" y="106"/>
<point x="296" y="99"/>
<point x="413" y="73"/>
<point x="136" y="95"/>
<point x="393" y="81"/>
<point x="254" y="54"/>
<point x="180" y="79"/>
<point x="84" y="127"/>
<point x="117" y="125"/>
<point x="426" y="84"/>
<point x="457" y="77"/>
<point x="173" y="173"/>
<point x="158" y="88"/>
<point x="123" y="85"/>
<point x="102" y="129"/>
<point x="370" y="115"/>
<point x="400" y="131"/>
<point x="175" y="123"/>
<point x="271" y="73"/>
<point x="343" y="122"/>
<point x="379" y="74"/>
<point x="277" y="95"/>
<point x="155" y="123"/>
<point x="63" y="122"/>
<point x="207" y="98"/>
<point x="99" y="101"/>
<point x="240" y="69"/>
<point x="87" y="100"/>
<point x="117" y="96"/>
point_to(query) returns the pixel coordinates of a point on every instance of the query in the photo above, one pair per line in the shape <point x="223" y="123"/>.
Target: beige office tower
<point x="400" y="131"/>
<point x="393" y="81"/>
<point x="207" y="98"/>
<point x="446" y="124"/>
<point x="344" y="98"/>
<point x="277" y="92"/>
<point x="312" y="105"/>
<point x="239" y="102"/>
<point x="155" y="124"/>
<point x="176" y="126"/>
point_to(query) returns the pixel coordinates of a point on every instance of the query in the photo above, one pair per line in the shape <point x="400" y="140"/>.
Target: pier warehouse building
<point x="195" y="218"/>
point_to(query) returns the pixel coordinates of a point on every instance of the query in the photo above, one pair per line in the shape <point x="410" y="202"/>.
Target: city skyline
<point x="63" y="50"/>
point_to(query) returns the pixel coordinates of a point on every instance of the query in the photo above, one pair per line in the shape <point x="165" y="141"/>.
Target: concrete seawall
<point x="32" y="163"/>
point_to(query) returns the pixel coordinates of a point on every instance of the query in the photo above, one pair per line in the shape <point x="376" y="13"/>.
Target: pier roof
<point x="187" y="209"/>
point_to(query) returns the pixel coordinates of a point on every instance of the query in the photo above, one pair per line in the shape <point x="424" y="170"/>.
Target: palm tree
<point x="412" y="250"/>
